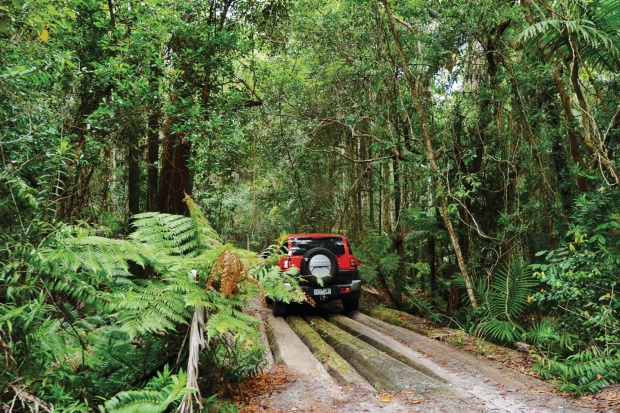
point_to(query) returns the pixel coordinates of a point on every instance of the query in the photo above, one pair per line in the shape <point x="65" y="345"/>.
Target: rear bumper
<point x="333" y="291"/>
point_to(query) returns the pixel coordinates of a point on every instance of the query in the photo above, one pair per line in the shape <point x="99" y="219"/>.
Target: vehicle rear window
<point x="299" y="246"/>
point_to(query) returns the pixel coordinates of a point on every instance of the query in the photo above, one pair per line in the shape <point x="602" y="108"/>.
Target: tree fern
<point x="207" y="236"/>
<point x="96" y="328"/>
<point x="169" y="234"/>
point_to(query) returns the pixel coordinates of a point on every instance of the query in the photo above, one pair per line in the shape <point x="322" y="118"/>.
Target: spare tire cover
<point x="319" y="263"/>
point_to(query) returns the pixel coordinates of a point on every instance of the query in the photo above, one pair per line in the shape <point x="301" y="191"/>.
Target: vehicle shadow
<point x="324" y="308"/>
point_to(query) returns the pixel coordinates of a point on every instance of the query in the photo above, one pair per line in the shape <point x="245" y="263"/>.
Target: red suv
<point x="327" y="267"/>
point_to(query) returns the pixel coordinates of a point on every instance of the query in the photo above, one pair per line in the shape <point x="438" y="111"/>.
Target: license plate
<point x="322" y="291"/>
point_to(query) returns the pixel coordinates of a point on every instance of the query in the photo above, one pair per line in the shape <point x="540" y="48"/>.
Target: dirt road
<point x="389" y="369"/>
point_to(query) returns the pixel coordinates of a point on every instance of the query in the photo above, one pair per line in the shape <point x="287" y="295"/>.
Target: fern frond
<point x="586" y="371"/>
<point x="169" y="234"/>
<point x="235" y="322"/>
<point x="151" y="399"/>
<point x="154" y="305"/>
<point x="206" y="234"/>
<point x="226" y="273"/>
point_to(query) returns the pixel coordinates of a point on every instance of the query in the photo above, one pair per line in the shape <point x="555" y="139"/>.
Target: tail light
<point x="355" y="262"/>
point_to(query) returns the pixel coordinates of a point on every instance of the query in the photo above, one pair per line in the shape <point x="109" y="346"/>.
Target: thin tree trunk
<point x="573" y="135"/>
<point x="432" y="273"/>
<point x="387" y="199"/>
<point x="107" y="179"/>
<point x="133" y="179"/>
<point x="398" y="239"/>
<point x="597" y="149"/>
<point x="430" y="155"/>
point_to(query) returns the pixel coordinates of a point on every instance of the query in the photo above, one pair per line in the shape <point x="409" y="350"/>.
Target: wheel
<point x="319" y="264"/>
<point x="350" y="303"/>
<point x="279" y="309"/>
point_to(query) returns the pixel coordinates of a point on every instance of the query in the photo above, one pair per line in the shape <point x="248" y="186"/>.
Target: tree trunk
<point x="597" y="149"/>
<point x="133" y="179"/>
<point x="430" y="155"/>
<point x="152" y="175"/>
<point x="175" y="175"/>
<point x="573" y="134"/>
<point x="387" y="199"/>
<point x="175" y="179"/>
<point x="400" y="277"/>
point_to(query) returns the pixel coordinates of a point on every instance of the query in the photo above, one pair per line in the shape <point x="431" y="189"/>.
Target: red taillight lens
<point x="345" y="290"/>
<point x="355" y="262"/>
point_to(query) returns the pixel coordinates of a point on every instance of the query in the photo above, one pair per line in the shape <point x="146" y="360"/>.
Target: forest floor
<point x="483" y="380"/>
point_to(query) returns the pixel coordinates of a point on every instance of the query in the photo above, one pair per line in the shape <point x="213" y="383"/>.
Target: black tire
<point x="312" y="274"/>
<point x="279" y="309"/>
<point x="350" y="303"/>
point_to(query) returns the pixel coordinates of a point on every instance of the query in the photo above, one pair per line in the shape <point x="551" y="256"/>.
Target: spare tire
<point x="319" y="264"/>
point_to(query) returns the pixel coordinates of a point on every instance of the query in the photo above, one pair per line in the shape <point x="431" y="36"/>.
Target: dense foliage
<point x="469" y="150"/>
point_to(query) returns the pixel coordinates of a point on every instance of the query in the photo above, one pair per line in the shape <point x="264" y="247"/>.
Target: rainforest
<point x="150" y="150"/>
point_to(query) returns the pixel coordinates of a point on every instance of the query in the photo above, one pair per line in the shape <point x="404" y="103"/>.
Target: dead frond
<point x="226" y="274"/>
<point x="29" y="401"/>
<point x="196" y="345"/>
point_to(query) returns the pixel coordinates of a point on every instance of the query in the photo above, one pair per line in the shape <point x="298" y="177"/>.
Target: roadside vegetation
<point x="468" y="150"/>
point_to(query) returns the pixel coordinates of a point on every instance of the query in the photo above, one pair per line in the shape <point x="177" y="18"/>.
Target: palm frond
<point x="501" y="330"/>
<point x="546" y="335"/>
<point x="511" y="287"/>
<point x="593" y="27"/>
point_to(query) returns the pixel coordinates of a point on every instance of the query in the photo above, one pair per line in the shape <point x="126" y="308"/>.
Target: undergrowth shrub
<point x="579" y="345"/>
<point x="379" y="265"/>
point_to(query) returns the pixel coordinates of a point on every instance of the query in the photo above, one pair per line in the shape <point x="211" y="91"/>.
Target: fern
<point x="587" y="371"/>
<point x="550" y="340"/>
<point x="282" y="286"/>
<point x="207" y="236"/>
<point x="153" y="305"/>
<point x="96" y="329"/>
<point x="235" y="360"/>
<point x="169" y="234"/>
<point x="156" y="397"/>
